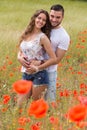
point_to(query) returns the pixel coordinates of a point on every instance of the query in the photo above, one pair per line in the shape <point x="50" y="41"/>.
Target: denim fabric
<point x="39" y="78"/>
<point x="51" y="91"/>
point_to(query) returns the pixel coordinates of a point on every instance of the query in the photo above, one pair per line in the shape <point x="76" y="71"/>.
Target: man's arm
<point x="60" y="54"/>
<point x="22" y="59"/>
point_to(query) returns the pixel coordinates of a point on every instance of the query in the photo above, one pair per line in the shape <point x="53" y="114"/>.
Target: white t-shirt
<point x="59" y="39"/>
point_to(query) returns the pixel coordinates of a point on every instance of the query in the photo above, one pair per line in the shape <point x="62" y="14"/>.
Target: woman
<point x="34" y="42"/>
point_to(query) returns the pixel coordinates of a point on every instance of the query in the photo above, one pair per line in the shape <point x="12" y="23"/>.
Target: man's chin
<point x="54" y="26"/>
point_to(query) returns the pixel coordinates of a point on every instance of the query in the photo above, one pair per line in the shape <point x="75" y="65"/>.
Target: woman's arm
<point x="45" y="42"/>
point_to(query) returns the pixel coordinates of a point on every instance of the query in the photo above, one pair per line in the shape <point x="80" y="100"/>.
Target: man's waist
<point x="52" y="68"/>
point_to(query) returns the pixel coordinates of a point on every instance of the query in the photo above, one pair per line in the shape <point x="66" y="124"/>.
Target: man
<point x="60" y="42"/>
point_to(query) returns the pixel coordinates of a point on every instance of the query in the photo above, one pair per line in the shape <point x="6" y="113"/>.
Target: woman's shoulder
<point x="44" y="39"/>
<point x="43" y="35"/>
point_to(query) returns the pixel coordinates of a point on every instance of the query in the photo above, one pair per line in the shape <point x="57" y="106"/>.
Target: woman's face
<point x="40" y="20"/>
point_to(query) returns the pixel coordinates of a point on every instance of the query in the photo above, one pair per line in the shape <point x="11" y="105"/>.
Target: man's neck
<point x="56" y="27"/>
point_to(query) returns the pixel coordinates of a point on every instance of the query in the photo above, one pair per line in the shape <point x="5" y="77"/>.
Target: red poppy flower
<point x="35" y="127"/>
<point x="6" y="99"/>
<point x="54" y="120"/>
<point x="82" y="85"/>
<point x="22" y="121"/>
<point x="20" y="129"/>
<point x="77" y="113"/>
<point x="54" y="104"/>
<point x="38" y="108"/>
<point x="81" y="124"/>
<point x="83" y="100"/>
<point x="22" y="86"/>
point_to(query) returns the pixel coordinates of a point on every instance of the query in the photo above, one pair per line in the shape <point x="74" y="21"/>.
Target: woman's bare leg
<point x="23" y="97"/>
<point x="38" y="92"/>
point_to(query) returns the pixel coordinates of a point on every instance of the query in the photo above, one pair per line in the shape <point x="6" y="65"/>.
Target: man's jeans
<point x="51" y="91"/>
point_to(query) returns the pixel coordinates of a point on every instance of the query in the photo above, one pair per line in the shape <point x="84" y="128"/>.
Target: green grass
<point x="14" y="17"/>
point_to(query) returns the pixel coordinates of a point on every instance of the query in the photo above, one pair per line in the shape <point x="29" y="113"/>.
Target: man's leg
<point x="51" y="90"/>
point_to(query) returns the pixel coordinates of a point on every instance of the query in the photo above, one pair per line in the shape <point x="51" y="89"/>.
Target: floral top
<point x="32" y="49"/>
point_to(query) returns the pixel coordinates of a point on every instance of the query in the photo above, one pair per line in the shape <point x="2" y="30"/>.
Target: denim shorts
<point x="39" y="78"/>
<point x="51" y="91"/>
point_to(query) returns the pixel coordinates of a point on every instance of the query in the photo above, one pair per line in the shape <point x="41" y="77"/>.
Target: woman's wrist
<point x="35" y="68"/>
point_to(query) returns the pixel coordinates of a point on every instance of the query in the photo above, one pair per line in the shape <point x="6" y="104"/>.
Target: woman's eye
<point x="39" y="17"/>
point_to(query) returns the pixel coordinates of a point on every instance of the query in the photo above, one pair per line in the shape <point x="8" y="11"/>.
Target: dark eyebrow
<point x="52" y="15"/>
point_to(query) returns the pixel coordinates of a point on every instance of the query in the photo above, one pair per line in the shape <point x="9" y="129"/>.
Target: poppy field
<point x="70" y="110"/>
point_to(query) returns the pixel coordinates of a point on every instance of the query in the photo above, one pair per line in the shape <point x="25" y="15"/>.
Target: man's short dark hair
<point x="57" y="7"/>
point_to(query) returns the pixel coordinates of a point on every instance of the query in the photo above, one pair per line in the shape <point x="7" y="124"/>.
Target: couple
<point x="42" y="46"/>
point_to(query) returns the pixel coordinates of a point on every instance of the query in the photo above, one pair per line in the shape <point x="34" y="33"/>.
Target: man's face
<point x="56" y="18"/>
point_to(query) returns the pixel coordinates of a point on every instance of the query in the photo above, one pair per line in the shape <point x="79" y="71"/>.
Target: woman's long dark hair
<point x="46" y="29"/>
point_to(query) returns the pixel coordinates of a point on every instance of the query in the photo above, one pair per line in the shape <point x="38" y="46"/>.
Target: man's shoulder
<point x="63" y="33"/>
<point x="60" y="33"/>
<point x="60" y="30"/>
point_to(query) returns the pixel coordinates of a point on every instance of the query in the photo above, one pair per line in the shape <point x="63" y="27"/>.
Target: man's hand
<point x="33" y="67"/>
<point x="23" y="60"/>
<point x="35" y="62"/>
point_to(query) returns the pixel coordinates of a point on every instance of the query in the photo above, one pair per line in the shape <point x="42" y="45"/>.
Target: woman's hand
<point x="33" y="66"/>
<point x="32" y="69"/>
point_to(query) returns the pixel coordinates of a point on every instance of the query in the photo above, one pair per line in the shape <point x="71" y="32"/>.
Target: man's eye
<point x="58" y="17"/>
<point x="52" y="16"/>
